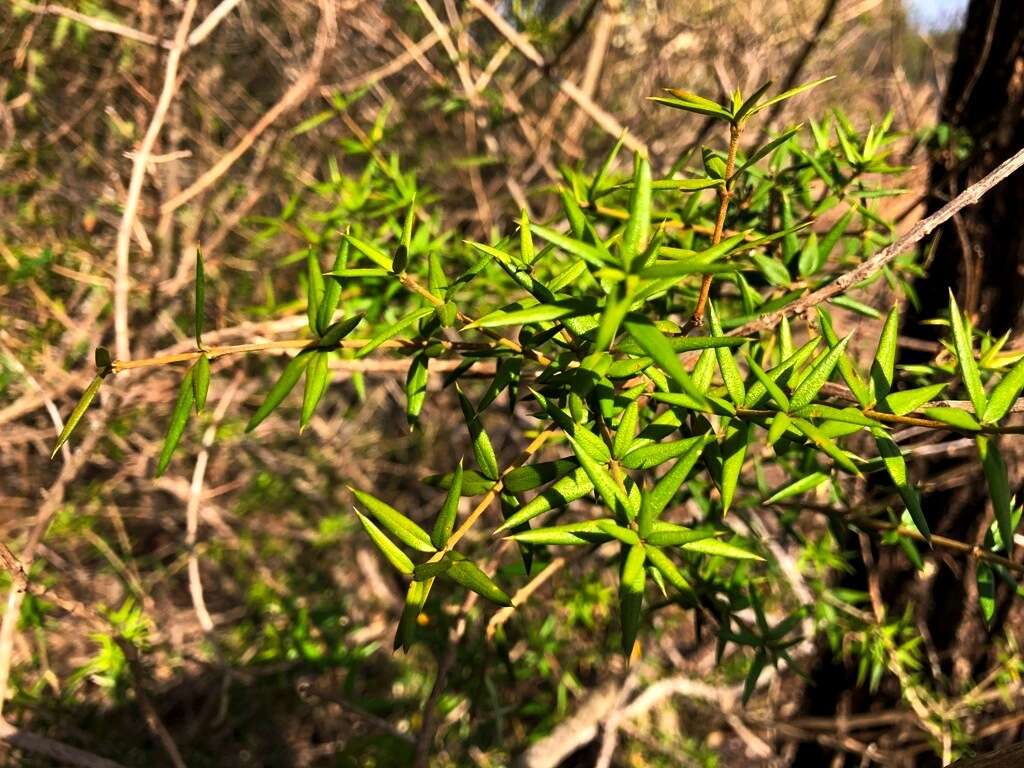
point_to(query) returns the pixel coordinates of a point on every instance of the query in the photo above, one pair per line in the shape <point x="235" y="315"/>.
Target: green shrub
<point x="659" y="409"/>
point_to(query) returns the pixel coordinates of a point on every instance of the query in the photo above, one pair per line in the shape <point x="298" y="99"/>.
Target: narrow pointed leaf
<point x="387" y="547"/>
<point x="467" y="574"/>
<point x="815" y="380"/>
<point x="727" y="363"/>
<point x="483" y="450"/>
<point x="965" y="357"/>
<point x="884" y="364"/>
<point x="655" y="501"/>
<point x="285" y="383"/>
<point x="200" y="299"/>
<point x="315" y="286"/>
<point x="445" y="523"/>
<point x="668" y="569"/>
<point x="394" y="522"/>
<point x="317" y="379"/>
<point x="631" y="595"/>
<point x="638" y="227"/>
<point x="1005" y="394"/>
<point x="896" y="466"/>
<point x="393" y="330"/>
<point x="201" y="381"/>
<point x="804" y="484"/>
<point x="734" y="451"/>
<point x="998" y="487"/>
<point x="720" y="548"/>
<point x="76" y="414"/>
<point x="179" y="419"/>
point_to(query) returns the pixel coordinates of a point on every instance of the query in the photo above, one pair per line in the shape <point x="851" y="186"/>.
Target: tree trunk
<point x="980" y="256"/>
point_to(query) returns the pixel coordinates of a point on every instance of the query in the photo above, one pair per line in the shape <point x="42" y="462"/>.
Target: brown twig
<point x="724" y="196"/>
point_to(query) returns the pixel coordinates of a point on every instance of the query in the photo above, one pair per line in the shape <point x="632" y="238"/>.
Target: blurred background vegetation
<point x="289" y="119"/>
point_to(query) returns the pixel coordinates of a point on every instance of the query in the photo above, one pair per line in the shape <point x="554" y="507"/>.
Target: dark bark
<point x="980" y="256"/>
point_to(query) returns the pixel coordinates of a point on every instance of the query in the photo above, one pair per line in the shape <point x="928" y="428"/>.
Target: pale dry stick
<point x="325" y="36"/>
<point x="100" y="25"/>
<point x="602" y="118"/>
<point x="195" y="493"/>
<point x="393" y="67"/>
<point x="522" y="594"/>
<point x="215" y="17"/>
<point x="469" y="117"/>
<point x="610" y="735"/>
<point x="606" y="22"/>
<point x="124" y="231"/>
<point x="870" y="266"/>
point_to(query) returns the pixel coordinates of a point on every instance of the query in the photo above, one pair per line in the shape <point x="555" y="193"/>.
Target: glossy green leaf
<point x="570" y="534"/>
<point x="179" y="419"/>
<point x="638" y="227"/>
<point x="335" y="332"/>
<point x="896" y="466"/>
<point x="797" y="487"/>
<point x="631" y="595"/>
<point x="76" y="414"/>
<point x="668" y="569"/>
<point x="390" y="331"/>
<point x="565" y="491"/>
<point x="820" y="373"/>
<point x="654" y="501"/>
<point x="909" y="400"/>
<point x="1005" y="394"/>
<point x="998" y="486"/>
<point x="483" y="450"/>
<point x="387" y="547"/>
<point x="726" y="363"/>
<point x="734" y="451"/>
<point x="827" y="445"/>
<point x="372" y="252"/>
<point x="720" y="548"/>
<point x="200" y="298"/>
<point x="538" y="313"/>
<point x="773" y="389"/>
<point x="201" y="381"/>
<point x="394" y="522"/>
<point x="317" y="379"/>
<point x="285" y="383"/>
<point x="657" y="347"/>
<point x="445" y="523"/>
<point x="625" y="432"/>
<point x="332" y="292"/>
<point x="603" y="481"/>
<point x="416" y="381"/>
<point x="467" y="574"/>
<point x="957" y="418"/>
<point x="315" y="287"/>
<point x="849" y="372"/>
<point x="884" y="363"/>
<point x="965" y="357"/>
<point x="986" y="591"/>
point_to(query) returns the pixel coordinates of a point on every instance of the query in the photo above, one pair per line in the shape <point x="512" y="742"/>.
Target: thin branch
<point x="918" y="232"/>
<point x="210" y="23"/>
<point x="100" y="25"/>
